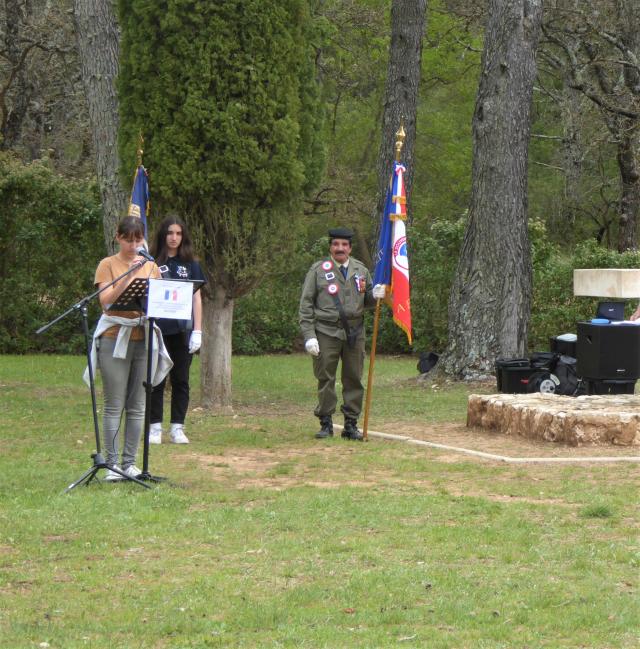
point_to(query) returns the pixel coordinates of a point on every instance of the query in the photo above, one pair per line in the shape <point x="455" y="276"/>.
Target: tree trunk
<point x="573" y="154"/>
<point x="20" y="91"/>
<point x="491" y="294"/>
<point x="98" y="45"/>
<point x="628" y="133"/>
<point x="215" y="368"/>
<point x="408" y="18"/>
<point x="630" y="188"/>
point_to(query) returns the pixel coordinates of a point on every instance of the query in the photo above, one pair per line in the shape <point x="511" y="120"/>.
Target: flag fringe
<point x="404" y="328"/>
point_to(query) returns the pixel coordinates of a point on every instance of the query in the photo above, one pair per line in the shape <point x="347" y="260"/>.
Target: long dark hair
<point x="159" y="243"/>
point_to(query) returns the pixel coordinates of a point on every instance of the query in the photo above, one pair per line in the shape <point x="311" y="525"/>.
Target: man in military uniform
<point x="335" y="294"/>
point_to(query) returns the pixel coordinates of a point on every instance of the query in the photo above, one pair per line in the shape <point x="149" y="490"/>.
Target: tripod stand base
<point x="145" y="475"/>
<point x="99" y="463"/>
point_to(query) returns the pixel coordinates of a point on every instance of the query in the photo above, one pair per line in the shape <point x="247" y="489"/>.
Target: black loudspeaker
<point x="608" y="352"/>
<point x="610" y="387"/>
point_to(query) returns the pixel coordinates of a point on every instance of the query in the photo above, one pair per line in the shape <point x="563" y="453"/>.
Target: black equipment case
<point x="512" y="374"/>
<point x="563" y="347"/>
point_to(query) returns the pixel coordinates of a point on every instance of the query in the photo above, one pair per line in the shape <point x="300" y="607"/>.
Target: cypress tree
<point x="226" y="96"/>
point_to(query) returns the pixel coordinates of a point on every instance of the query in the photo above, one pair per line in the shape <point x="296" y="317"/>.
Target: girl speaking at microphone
<point x="121" y="351"/>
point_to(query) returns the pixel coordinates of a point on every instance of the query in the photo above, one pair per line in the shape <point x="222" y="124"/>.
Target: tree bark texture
<point x="627" y="154"/>
<point x="408" y="19"/>
<point x="490" y="298"/>
<point x="629" y="208"/>
<point x="12" y="118"/>
<point x="98" y="44"/>
<point x="573" y="153"/>
<point x="215" y="367"/>
<point x="624" y="128"/>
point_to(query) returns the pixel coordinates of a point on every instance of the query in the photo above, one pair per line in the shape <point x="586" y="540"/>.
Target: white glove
<point x="195" y="340"/>
<point x="312" y="346"/>
<point x="379" y="291"/>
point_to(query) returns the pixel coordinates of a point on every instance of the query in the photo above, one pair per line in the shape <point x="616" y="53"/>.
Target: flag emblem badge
<point x="400" y="253"/>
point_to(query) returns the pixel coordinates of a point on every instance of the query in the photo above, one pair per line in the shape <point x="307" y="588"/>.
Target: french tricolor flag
<point x="392" y="260"/>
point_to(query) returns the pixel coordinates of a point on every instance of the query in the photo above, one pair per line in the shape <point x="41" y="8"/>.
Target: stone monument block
<point x="607" y="282"/>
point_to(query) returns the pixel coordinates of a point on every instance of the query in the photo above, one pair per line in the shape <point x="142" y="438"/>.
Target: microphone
<point x="142" y="252"/>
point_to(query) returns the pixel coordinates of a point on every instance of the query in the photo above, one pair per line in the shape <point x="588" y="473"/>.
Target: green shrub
<point x="51" y="238"/>
<point x="555" y="310"/>
<point x="433" y="260"/>
<point x="266" y="321"/>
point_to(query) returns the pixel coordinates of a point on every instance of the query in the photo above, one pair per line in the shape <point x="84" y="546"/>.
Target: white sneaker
<point x="132" y="471"/>
<point x="155" y="434"/>
<point x="177" y="434"/>
<point x="112" y="476"/>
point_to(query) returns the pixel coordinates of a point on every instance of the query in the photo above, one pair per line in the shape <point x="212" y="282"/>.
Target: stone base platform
<point x="575" y="421"/>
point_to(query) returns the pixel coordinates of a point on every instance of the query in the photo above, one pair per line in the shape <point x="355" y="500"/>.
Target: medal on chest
<point x="329" y="275"/>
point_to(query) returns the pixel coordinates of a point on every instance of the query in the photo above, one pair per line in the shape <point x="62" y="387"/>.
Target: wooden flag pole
<point x="140" y="150"/>
<point x="372" y="361"/>
<point x="400" y="136"/>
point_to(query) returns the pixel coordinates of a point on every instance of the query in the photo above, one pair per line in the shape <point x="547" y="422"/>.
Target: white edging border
<point x="502" y="458"/>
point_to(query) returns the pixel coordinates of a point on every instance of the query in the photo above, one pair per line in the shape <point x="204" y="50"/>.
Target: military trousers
<point x="325" y="366"/>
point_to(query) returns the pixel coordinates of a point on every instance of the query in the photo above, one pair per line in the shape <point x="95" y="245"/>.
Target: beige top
<point x="110" y="268"/>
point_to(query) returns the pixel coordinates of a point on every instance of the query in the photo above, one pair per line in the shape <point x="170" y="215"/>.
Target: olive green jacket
<point x="318" y="312"/>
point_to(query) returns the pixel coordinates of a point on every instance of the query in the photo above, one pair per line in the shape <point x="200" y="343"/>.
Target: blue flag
<point x="139" y="205"/>
<point x="382" y="272"/>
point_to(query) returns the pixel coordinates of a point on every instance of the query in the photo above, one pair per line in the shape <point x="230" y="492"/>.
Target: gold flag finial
<point x="400" y="136"/>
<point x="140" y="150"/>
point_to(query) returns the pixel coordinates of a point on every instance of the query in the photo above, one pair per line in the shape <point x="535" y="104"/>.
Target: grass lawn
<point x="265" y="537"/>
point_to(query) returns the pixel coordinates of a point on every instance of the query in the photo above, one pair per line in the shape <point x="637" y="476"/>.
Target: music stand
<point x="133" y="298"/>
<point x="97" y="457"/>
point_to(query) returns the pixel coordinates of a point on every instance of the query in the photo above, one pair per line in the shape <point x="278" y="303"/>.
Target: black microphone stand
<point x="97" y="457"/>
<point x="148" y="388"/>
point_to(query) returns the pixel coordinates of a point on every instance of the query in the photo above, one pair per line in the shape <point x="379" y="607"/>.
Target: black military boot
<point x="350" y="430"/>
<point x="326" y="428"/>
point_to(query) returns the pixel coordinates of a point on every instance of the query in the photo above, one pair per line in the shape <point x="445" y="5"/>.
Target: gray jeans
<point x="122" y="382"/>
